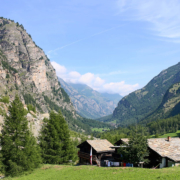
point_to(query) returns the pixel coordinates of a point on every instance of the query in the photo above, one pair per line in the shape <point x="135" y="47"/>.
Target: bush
<point x="7" y="66"/>
<point x="7" y="76"/>
<point x="31" y="108"/>
<point x="4" y="99"/>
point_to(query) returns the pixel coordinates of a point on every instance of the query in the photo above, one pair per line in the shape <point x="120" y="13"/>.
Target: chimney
<point x="169" y="138"/>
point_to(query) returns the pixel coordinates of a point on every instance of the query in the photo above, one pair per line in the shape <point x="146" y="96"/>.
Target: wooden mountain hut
<point x="163" y="152"/>
<point x="101" y="150"/>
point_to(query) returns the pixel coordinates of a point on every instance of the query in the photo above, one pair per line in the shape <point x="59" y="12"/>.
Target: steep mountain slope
<point x="170" y="105"/>
<point x="25" y="70"/>
<point x="88" y="102"/>
<point x="137" y="105"/>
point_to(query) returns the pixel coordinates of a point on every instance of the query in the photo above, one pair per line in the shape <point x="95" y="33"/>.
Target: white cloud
<point x="163" y="15"/>
<point x="98" y="82"/>
<point x="117" y="87"/>
<point x="60" y="70"/>
<point x="74" y="74"/>
<point x="87" y="78"/>
<point x="94" y="81"/>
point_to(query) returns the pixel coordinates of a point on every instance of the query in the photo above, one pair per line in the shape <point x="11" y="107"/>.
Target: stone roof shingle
<point x="101" y="145"/>
<point x="165" y="148"/>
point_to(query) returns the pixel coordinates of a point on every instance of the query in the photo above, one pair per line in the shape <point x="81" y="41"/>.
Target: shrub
<point x="4" y="99"/>
<point x="7" y="66"/>
<point x="31" y="108"/>
<point x="7" y="76"/>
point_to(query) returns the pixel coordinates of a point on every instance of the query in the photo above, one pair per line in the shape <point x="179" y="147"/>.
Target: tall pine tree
<point x="55" y="141"/>
<point x="20" y="151"/>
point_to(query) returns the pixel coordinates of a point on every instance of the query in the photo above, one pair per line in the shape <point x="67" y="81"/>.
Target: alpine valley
<point x="25" y="70"/>
<point x="158" y="99"/>
<point x="88" y="102"/>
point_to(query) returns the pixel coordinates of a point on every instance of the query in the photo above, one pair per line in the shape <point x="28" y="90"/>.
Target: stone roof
<point x="125" y="140"/>
<point x="100" y="145"/>
<point x="165" y="148"/>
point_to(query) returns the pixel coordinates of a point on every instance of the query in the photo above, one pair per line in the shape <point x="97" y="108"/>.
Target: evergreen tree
<point x="55" y="142"/>
<point x="136" y="151"/>
<point x="20" y="151"/>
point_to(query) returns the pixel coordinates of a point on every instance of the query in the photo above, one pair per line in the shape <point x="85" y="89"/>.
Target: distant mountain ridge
<point x="139" y="104"/>
<point x="88" y="102"/>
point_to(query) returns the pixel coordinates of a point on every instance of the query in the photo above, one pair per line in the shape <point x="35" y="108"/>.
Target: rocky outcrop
<point x="25" y="69"/>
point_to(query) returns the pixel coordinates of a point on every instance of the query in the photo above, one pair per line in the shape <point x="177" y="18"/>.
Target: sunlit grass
<point x="56" y="172"/>
<point x="175" y="134"/>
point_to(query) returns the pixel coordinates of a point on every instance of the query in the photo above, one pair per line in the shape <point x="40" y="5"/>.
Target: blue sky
<point x="114" y="46"/>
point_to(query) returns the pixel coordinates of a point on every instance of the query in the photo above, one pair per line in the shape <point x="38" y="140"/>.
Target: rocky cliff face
<point x="88" y="102"/>
<point x="26" y="70"/>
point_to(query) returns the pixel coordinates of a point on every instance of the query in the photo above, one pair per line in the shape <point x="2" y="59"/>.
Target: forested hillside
<point x="170" y="105"/>
<point x="137" y="105"/>
<point x="157" y="128"/>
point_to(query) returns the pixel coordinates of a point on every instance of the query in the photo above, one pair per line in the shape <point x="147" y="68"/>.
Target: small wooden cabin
<point x="163" y="152"/>
<point x="101" y="150"/>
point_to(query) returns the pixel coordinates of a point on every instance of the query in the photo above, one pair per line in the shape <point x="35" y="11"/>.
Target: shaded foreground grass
<point x="56" y="172"/>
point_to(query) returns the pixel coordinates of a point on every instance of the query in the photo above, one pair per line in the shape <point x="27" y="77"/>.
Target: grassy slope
<point x="175" y="134"/>
<point x="56" y="172"/>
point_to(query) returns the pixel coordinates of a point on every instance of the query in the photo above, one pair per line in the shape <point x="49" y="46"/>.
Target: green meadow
<point x="56" y="172"/>
<point x="175" y="134"/>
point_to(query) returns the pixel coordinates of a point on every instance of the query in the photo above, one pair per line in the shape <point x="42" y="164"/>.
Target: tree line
<point x="21" y="151"/>
<point x="157" y="128"/>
